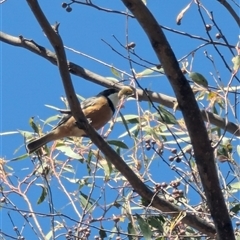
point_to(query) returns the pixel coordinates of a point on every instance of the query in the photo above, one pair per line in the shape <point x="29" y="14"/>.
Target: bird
<point x="98" y="110"/>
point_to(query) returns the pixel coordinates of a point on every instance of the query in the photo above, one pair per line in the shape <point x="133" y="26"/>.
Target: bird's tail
<point x="38" y="143"/>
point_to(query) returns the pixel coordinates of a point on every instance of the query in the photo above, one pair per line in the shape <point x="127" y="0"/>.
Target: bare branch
<point x="95" y="78"/>
<point x="197" y="131"/>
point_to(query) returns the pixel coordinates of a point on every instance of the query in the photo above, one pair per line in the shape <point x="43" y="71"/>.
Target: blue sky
<point x="28" y="82"/>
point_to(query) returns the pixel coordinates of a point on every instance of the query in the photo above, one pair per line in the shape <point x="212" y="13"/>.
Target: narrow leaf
<point x="199" y="79"/>
<point x="144" y="226"/>
<point x="118" y="144"/>
<point x="166" y="116"/>
<point x="131" y="231"/>
<point x="69" y="152"/>
<point x="85" y="202"/>
<point x="8" y="133"/>
<point x="125" y="124"/>
<point x="20" y="157"/>
<point x="33" y="125"/>
<point x="115" y="72"/>
<point x="236" y="63"/>
<point x="43" y="194"/>
<point x="181" y="14"/>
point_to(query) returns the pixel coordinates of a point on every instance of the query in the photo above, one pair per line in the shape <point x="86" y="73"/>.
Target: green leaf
<point x="20" y="157"/>
<point x="199" y="79"/>
<point x="117" y="143"/>
<point x="115" y="72"/>
<point x="102" y="233"/>
<point x="234" y="187"/>
<point x="236" y="63"/>
<point x="107" y="167"/>
<point x="235" y="209"/>
<point x="43" y="194"/>
<point x="125" y="124"/>
<point x="149" y="71"/>
<point x="85" y="202"/>
<point x="144" y="226"/>
<point x="26" y="134"/>
<point x="130" y="118"/>
<point x="51" y="119"/>
<point x="112" y="79"/>
<point x="166" y="116"/>
<point x="33" y="125"/>
<point x="130" y="131"/>
<point x="156" y="222"/>
<point x="69" y="152"/>
<point x="132" y="231"/>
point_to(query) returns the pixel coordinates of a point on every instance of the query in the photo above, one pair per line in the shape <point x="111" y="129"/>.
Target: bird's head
<point x="125" y="92"/>
<point x="118" y="95"/>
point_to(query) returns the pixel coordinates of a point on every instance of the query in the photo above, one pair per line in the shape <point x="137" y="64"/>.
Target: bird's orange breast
<point x="99" y="113"/>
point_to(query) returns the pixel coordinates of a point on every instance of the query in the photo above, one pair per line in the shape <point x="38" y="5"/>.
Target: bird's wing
<point x="88" y="102"/>
<point x="64" y="119"/>
<point x="67" y="113"/>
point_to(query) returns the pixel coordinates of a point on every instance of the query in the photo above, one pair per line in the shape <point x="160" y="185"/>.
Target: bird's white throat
<point x="114" y="98"/>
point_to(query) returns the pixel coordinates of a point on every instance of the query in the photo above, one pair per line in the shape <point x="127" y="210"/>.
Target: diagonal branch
<point x="231" y="11"/>
<point x="110" y="154"/>
<point x="77" y="70"/>
<point x="197" y="131"/>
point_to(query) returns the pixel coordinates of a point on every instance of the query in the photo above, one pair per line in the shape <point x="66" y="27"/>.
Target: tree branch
<point x="77" y="70"/>
<point x="113" y="157"/>
<point x="197" y="131"/>
<point x="231" y="11"/>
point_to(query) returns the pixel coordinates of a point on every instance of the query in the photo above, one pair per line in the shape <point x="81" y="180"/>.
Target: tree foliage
<point x="167" y="167"/>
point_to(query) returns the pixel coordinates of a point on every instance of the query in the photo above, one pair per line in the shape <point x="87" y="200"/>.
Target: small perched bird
<point x="98" y="110"/>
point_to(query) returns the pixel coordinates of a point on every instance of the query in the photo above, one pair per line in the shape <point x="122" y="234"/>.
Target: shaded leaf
<point x="43" y="194"/>
<point x="20" y="157"/>
<point x="199" y="79"/>
<point x="33" y="125"/>
<point x="156" y="222"/>
<point x="130" y="118"/>
<point x="102" y="233"/>
<point x="132" y="231"/>
<point x="85" y="202"/>
<point x="144" y="226"/>
<point x="235" y="209"/>
<point x="166" y="116"/>
<point x="125" y="124"/>
<point x="118" y="144"/>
